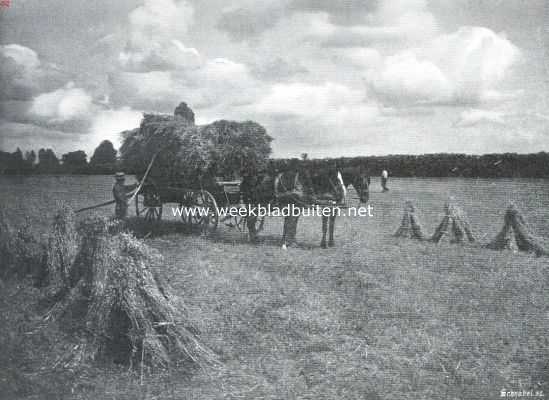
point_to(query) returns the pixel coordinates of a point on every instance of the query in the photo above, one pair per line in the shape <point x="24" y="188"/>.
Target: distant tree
<point x="30" y="157"/>
<point x="74" y="162"/>
<point x="4" y="161"/>
<point x="29" y="161"/>
<point x="16" y="162"/>
<point x="47" y="161"/>
<point x="104" y="154"/>
<point x="304" y="156"/>
<point x="17" y="157"/>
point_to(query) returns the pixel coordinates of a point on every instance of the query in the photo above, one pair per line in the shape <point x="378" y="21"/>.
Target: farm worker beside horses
<point x="248" y="188"/>
<point x="120" y="192"/>
<point x="384" y="179"/>
<point x="288" y="191"/>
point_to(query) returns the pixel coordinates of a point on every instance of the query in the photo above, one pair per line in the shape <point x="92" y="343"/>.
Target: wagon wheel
<point x="148" y="204"/>
<point x="205" y="201"/>
<point x="188" y="207"/>
<point x="153" y="214"/>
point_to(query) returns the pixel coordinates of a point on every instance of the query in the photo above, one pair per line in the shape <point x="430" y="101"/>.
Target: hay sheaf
<point x="21" y="253"/>
<point x="62" y="249"/>
<point x="455" y="225"/>
<point x="187" y="152"/>
<point x="515" y="232"/>
<point x="410" y="226"/>
<point x="125" y="310"/>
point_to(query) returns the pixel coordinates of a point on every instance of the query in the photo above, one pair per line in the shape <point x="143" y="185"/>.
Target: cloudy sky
<point x="326" y="77"/>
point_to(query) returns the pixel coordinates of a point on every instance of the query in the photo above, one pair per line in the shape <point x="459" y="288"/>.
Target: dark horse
<point x="305" y="188"/>
<point x="330" y="186"/>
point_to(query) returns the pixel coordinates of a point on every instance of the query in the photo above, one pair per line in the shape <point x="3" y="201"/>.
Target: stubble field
<point x="375" y="317"/>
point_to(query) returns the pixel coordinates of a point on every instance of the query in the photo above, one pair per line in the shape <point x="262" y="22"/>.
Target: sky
<point x="327" y="78"/>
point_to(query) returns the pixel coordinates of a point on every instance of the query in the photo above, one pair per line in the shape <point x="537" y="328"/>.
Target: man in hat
<point x="120" y="192"/>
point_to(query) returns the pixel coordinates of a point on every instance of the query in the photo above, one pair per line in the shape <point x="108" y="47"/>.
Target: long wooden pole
<point x="96" y="206"/>
<point x="144" y="177"/>
<point x="133" y="193"/>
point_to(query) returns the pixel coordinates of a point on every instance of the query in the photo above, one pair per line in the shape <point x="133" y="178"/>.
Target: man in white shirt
<point x="384" y="178"/>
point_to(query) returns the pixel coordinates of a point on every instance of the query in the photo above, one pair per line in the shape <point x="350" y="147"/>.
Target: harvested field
<point x="375" y="317"/>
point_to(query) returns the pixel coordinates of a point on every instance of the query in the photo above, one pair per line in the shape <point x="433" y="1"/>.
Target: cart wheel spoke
<point x="208" y="204"/>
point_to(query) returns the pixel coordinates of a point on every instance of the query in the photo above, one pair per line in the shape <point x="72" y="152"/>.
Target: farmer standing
<point x="384" y="179"/>
<point x="288" y="191"/>
<point x="248" y="189"/>
<point x="120" y="193"/>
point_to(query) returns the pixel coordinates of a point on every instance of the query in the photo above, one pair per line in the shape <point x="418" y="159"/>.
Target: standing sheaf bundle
<point x="21" y="253"/>
<point x="128" y="314"/>
<point x="410" y="227"/>
<point x="7" y="238"/>
<point x="188" y="152"/>
<point x="454" y="225"/>
<point x="516" y="230"/>
<point x="62" y="250"/>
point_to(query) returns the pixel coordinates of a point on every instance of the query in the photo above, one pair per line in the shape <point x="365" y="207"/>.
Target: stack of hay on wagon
<point x="189" y="154"/>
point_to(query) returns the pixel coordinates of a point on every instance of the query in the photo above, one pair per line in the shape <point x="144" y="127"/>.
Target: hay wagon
<point x="200" y="206"/>
<point x="186" y="160"/>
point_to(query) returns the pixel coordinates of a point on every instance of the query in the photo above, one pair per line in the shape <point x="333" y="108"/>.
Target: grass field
<point x="373" y="318"/>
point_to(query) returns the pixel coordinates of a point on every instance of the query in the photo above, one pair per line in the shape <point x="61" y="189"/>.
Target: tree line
<point x="504" y="165"/>
<point x="104" y="160"/>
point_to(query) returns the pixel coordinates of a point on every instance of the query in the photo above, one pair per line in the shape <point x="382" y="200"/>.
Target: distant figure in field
<point x="384" y="179"/>
<point x="120" y="192"/>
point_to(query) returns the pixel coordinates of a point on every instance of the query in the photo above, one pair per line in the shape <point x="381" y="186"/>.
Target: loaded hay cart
<point x="196" y="168"/>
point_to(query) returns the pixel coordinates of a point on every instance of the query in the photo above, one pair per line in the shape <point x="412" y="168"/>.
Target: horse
<point x="359" y="178"/>
<point x="325" y="187"/>
<point x="330" y="186"/>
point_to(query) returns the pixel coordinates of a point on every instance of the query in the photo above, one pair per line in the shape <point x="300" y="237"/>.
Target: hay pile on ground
<point x="128" y="314"/>
<point x="187" y="152"/>
<point x="453" y="226"/>
<point x="410" y="227"/>
<point x="61" y="251"/>
<point x="21" y="253"/>
<point x="516" y="231"/>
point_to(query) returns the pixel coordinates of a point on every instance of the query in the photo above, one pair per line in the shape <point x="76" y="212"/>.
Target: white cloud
<point x="307" y="100"/>
<point x="406" y="21"/>
<point x="159" y="70"/>
<point x="23" y="74"/>
<point x="308" y="115"/>
<point x="157" y="19"/>
<point x="335" y="65"/>
<point x="364" y="58"/>
<point x="23" y="56"/>
<point x="155" y="37"/>
<point x="405" y="79"/>
<point x="473" y="117"/>
<point x="219" y="83"/>
<point x="107" y="125"/>
<point x="475" y="59"/>
<point x="160" y="57"/>
<point x="463" y="67"/>
<point x="64" y="104"/>
<point x="245" y="20"/>
<point x="28" y="136"/>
